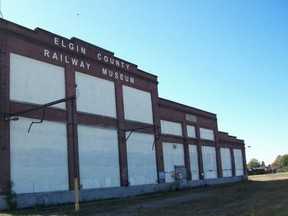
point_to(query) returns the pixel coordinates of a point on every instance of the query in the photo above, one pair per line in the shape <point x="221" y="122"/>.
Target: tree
<point x="284" y="160"/>
<point x="277" y="163"/>
<point x="281" y="163"/>
<point x="253" y="163"/>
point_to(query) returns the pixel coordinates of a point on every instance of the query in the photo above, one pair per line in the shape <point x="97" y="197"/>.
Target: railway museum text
<point x="98" y="56"/>
<point x="78" y="62"/>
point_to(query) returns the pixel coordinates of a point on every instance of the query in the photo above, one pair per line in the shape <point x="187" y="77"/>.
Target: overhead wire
<point x="37" y="122"/>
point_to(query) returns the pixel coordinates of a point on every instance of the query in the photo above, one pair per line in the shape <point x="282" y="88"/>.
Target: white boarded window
<point x="209" y="162"/>
<point x="39" y="158"/>
<point x="238" y="159"/>
<point x="137" y="105"/>
<point x="141" y="159"/>
<point x="206" y="134"/>
<point x="191" y="131"/>
<point x="226" y="162"/>
<point x="96" y="96"/>
<point x="193" y="154"/>
<point x="35" y="81"/>
<point x="173" y="128"/>
<point x="173" y="154"/>
<point x="98" y="157"/>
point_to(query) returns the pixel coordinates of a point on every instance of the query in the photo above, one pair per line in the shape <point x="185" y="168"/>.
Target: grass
<point x="260" y="195"/>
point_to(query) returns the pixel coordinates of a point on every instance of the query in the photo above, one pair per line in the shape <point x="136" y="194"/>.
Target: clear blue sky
<point x="229" y="57"/>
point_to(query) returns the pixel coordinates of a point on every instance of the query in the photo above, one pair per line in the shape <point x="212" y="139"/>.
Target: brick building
<point x="72" y="110"/>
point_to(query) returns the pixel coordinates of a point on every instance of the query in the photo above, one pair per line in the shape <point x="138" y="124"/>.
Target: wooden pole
<point x="76" y="192"/>
<point x="76" y="188"/>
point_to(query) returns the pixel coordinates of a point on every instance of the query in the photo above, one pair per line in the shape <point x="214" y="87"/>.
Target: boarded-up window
<point x="209" y="162"/>
<point x="193" y="153"/>
<point x="173" y="156"/>
<point x="226" y="162"/>
<point x="207" y="134"/>
<point x="137" y="105"/>
<point x="238" y="162"/>
<point x="191" y="131"/>
<point x="39" y="158"/>
<point x="35" y="81"/>
<point x="141" y="159"/>
<point x="173" y="128"/>
<point x="96" y="96"/>
<point x="98" y="157"/>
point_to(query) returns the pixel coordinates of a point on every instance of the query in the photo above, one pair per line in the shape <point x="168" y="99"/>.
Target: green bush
<point x="11" y="196"/>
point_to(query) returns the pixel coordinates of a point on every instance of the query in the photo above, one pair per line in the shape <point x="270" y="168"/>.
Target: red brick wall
<point x="32" y="44"/>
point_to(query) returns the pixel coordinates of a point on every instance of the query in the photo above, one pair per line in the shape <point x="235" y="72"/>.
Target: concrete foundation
<point x="55" y="198"/>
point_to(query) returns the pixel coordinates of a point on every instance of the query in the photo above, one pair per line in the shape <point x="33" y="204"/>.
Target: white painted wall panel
<point x="206" y="134"/>
<point x="141" y="159"/>
<point x="173" y="154"/>
<point x="191" y="131"/>
<point x="39" y="158"/>
<point x="173" y="128"/>
<point x="226" y="162"/>
<point x="96" y="96"/>
<point x="137" y="105"/>
<point x="193" y="153"/>
<point x="209" y="162"/>
<point x="35" y="81"/>
<point x="98" y="157"/>
<point x="238" y="162"/>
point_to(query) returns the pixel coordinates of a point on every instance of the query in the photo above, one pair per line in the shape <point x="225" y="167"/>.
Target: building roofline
<point x="224" y="136"/>
<point x="36" y="34"/>
<point x="186" y="108"/>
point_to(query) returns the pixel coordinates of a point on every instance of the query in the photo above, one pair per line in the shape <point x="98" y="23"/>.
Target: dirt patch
<point x="172" y="200"/>
<point x="261" y="195"/>
<point x="153" y="204"/>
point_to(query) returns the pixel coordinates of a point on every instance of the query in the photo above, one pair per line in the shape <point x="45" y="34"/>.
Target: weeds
<point x="11" y="196"/>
